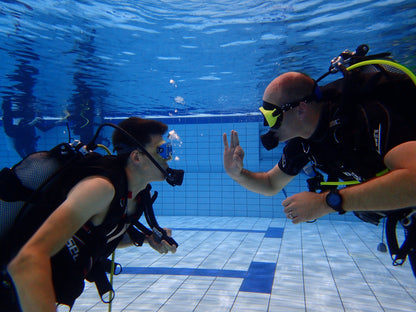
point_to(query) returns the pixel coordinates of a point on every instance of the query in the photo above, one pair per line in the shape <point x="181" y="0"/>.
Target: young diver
<point x="92" y="204"/>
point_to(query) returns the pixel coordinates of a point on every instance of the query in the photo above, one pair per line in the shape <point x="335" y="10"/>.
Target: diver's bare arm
<point x="397" y="189"/>
<point x="267" y="183"/>
<point x="31" y="268"/>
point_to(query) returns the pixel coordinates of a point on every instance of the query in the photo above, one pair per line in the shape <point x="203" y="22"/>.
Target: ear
<point x="303" y="110"/>
<point x="135" y="156"/>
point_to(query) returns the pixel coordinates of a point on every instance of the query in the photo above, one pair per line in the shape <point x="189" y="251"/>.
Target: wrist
<point x="236" y="175"/>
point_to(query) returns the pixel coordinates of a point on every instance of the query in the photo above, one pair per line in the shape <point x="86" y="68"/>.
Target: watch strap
<point x="338" y="207"/>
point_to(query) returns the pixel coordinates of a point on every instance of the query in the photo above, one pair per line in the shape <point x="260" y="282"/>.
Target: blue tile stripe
<point x="259" y="277"/>
<point x="219" y="230"/>
<point x="271" y="232"/>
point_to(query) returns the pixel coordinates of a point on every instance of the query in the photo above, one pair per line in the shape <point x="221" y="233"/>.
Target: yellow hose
<point x="104" y="148"/>
<point x="385" y="62"/>
<point x="404" y="69"/>
<point x="345" y="183"/>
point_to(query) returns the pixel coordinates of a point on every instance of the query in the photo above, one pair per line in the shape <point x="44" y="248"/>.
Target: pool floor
<point x="260" y="264"/>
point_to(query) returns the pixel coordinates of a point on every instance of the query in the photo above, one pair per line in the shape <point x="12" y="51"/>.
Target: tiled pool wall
<point x="207" y="190"/>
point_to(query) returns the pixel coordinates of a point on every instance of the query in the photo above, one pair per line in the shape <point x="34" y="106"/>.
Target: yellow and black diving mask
<point x="273" y="115"/>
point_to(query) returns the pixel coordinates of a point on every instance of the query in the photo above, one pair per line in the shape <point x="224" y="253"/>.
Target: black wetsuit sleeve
<point x="293" y="158"/>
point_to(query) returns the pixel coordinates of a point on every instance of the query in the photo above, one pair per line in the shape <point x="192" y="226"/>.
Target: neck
<point x="136" y="183"/>
<point x="311" y="129"/>
<point x="312" y="122"/>
<point x="320" y="125"/>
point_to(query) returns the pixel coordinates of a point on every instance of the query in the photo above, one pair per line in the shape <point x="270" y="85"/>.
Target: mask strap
<point x="317" y="92"/>
<point x="169" y="175"/>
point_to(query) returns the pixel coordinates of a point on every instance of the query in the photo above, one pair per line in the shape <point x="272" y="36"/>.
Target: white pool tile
<point x="322" y="266"/>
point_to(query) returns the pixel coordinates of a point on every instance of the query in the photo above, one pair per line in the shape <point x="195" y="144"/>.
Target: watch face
<point x="334" y="199"/>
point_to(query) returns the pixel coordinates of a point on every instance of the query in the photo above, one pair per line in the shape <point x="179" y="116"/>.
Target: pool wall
<point x="207" y="190"/>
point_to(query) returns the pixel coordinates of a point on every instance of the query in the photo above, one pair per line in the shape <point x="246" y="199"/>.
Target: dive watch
<point x="334" y="200"/>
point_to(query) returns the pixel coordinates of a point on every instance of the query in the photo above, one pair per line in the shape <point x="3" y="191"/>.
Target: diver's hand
<point x="306" y="206"/>
<point x="233" y="155"/>
<point x="163" y="247"/>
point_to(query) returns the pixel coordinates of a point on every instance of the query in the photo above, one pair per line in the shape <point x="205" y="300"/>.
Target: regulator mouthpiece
<point x="174" y="176"/>
<point x="269" y="140"/>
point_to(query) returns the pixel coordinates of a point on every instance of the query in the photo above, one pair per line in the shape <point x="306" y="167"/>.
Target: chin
<point x="161" y="177"/>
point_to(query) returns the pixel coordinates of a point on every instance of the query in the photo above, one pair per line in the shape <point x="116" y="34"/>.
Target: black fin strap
<point x="117" y="267"/>
<point x="99" y="277"/>
<point x="412" y="260"/>
<point x="399" y="254"/>
<point x="392" y="243"/>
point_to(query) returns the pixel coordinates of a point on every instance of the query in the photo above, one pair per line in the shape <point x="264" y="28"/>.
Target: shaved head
<point x="288" y="87"/>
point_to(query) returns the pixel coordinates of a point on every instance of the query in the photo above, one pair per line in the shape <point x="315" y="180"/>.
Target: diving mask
<point x="273" y="115"/>
<point x="165" y="150"/>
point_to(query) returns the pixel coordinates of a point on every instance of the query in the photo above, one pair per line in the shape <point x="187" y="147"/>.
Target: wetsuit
<point x="362" y="119"/>
<point x="85" y="253"/>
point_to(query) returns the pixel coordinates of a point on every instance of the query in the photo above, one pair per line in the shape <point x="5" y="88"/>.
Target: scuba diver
<point x="76" y="218"/>
<point x="20" y="120"/>
<point x="358" y="130"/>
<point x="21" y="130"/>
<point x="20" y="125"/>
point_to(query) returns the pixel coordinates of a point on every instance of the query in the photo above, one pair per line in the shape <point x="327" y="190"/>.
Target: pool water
<point x="103" y="58"/>
<point x="201" y="67"/>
